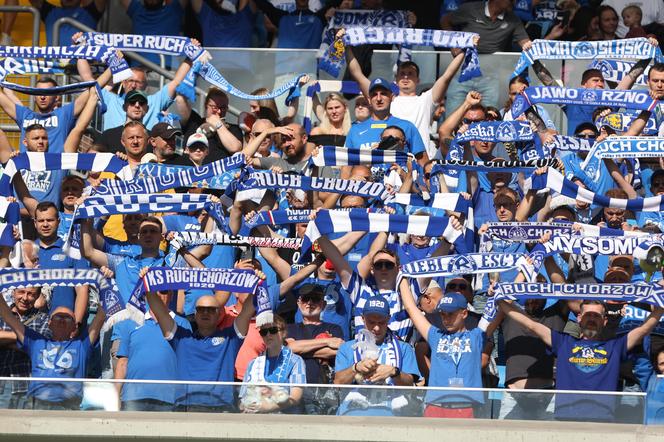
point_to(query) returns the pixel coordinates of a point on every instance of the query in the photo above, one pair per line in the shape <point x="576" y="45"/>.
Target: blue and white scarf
<point x="566" y="143"/>
<point x="275" y="218"/>
<point x="594" y="245"/>
<point x="626" y="147"/>
<point x="633" y="48"/>
<point x="103" y="54"/>
<point x="640" y="100"/>
<point x="497" y="131"/>
<point x="621" y="121"/>
<point x="331" y="52"/>
<point x="210" y="74"/>
<point x="615" y="70"/>
<point x="189" y="239"/>
<point x="183" y="178"/>
<point x="344" y="156"/>
<point x="342" y="87"/>
<point x="183" y="278"/>
<point x="481" y="166"/>
<point x="155" y="44"/>
<point x="554" y="181"/>
<point x="269" y="180"/>
<point x="39" y="161"/>
<point x="421" y="37"/>
<point x="526" y="232"/>
<point x="648" y="293"/>
<point x="9" y="218"/>
<point x="280" y="375"/>
<point x="467" y="264"/>
<point x="219" y="182"/>
<point x="21" y="66"/>
<point x="96" y="206"/>
<point x="388" y="353"/>
<point x="338" y="221"/>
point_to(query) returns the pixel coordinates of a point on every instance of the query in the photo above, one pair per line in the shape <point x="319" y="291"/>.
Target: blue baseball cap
<point x="376" y="305"/>
<point x="381" y="82"/>
<point x="452" y="302"/>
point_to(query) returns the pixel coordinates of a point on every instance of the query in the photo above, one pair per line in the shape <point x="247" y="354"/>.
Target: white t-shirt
<point x="653" y="11"/>
<point x="416" y="109"/>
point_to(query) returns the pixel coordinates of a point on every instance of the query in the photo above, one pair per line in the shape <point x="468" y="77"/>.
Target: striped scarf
<point x="344" y="156"/>
<point x="626" y="147"/>
<point x="343" y="87"/>
<point x="96" y="206"/>
<point x="497" y="131"/>
<point x="470" y="263"/>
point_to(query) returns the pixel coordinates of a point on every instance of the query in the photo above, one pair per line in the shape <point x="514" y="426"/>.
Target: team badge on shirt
<point x="218" y="340"/>
<point x="588" y="359"/>
<point x="454" y="347"/>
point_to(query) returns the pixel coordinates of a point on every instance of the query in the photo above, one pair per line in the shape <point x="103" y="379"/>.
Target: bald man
<point x="206" y="353"/>
<point x="64" y="355"/>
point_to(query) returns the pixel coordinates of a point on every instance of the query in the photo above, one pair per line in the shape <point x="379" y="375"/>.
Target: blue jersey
<point x="54" y="257"/>
<point x="44" y="185"/>
<point x="366" y="133"/>
<point x="361" y="289"/>
<point x="121" y="248"/>
<point x="210" y="358"/>
<point x="577" y="114"/>
<point x="88" y="15"/>
<point x="115" y="115"/>
<point x="58" y="123"/>
<point x="56" y="359"/>
<point x="456" y="361"/>
<point x="166" y="20"/>
<point x="150" y="356"/>
<point x="588" y="365"/>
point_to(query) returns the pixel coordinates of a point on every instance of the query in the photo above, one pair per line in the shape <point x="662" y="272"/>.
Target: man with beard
<point x="585" y="363"/>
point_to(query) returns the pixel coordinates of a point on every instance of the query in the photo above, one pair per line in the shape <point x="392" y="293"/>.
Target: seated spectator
<point x="278" y="364"/>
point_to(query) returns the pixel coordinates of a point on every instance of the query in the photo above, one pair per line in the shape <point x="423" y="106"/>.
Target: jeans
<point x="11" y="400"/>
<point x="68" y="404"/>
<point x="146" y="405"/>
<point x="527" y="406"/>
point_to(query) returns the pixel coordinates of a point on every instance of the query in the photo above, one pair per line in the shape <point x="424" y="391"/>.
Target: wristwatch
<point x="219" y="124"/>
<point x="397" y="372"/>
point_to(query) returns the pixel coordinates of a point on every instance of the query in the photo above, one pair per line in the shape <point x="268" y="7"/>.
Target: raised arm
<point x="95" y="328"/>
<point x="7" y="104"/>
<point x="180" y="75"/>
<point x="161" y="313"/>
<point x="356" y="71"/>
<point x="419" y="320"/>
<point x="24" y="195"/>
<point x="439" y="88"/>
<point x="244" y="318"/>
<point x="74" y="137"/>
<point x="635" y="336"/>
<point x="95" y="256"/>
<point x="452" y="122"/>
<point x="12" y="321"/>
<point x="515" y="313"/>
<point x="332" y="253"/>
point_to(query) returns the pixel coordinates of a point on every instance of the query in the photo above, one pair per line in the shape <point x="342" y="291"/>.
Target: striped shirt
<point x="361" y="289"/>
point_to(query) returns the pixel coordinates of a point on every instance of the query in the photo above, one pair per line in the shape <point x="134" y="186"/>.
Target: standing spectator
<point x="632" y="17"/>
<point x="63" y="355"/>
<point x="135" y="107"/>
<point x="317" y="342"/>
<point x="87" y="12"/>
<point x="585" y="363"/>
<point x="223" y="29"/>
<point x="608" y="22"/>
<point x="155" y="17"/>
<point x="652" y="13"/>
<point x="499" y="28"/>
<point x="14" y="362"/>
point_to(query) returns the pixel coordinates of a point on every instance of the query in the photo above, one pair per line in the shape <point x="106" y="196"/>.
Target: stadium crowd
<point x="393" y="288"/>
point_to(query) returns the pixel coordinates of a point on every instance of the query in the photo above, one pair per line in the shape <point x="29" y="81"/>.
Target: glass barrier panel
<point x="319" y="400"/>
<point x="655" y="401"/>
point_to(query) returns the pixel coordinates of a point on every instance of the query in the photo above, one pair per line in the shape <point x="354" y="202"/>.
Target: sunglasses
<point x="308" y="298"/>
<point x="455" y="286"/>
<point x="206" y="309"/>
<point x="197" y="146"/>
<point x="384" y="265"/>
<point x="270" y="330"/>
<point x="62" y="318"/>
<point x="469" y="121"/>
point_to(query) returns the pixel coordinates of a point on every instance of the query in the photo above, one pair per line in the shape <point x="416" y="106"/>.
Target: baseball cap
<point x="376" y="305"/>
<point x="380" y="82"/>
<point x="197" y="138"/>
<point x="623" y="261"/>
<point x="164" y="130"/>
<point x="135" y="95"/>
<point x="452" y="302"/>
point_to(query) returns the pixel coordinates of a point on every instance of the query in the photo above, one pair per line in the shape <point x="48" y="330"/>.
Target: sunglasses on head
<point x="207" y="309"/>
<point x="270" y="330"/>
<point x="384" y="265"/>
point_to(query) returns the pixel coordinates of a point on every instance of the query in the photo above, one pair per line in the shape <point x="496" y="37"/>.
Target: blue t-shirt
<point x="456" y="361"/>
<point x="80" y="14"/>
<point x="121" y="248"/>
<point x="44" y="185"/>
<point x="221" y="257"/>
<point x="378" y="399"/>
<point x="226" y="30"/>
<point x="366" y="133"/>
<point x="56" y="359"/>
<point x="116" y="116"/>
<point x="210" y="358"/>
<point x="577" y="114"/>
<point x="166" y="20"/>
<point x="53" y="257"/>
<point x="408" y="252"/>
<point x="150" y="356"/>
<point x="587" y="365"/>
<point x="57" y="123"/>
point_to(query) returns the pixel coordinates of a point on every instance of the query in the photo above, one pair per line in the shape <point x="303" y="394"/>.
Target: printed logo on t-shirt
<point x="58" y="257"/>
<point x="588" y="359"/>
<point x="52" y="360"/>
<point x="454" y="347"/>
<point x="51" y="121"/>
<point x="37" y="181"/>
<point x="218" y="340"/>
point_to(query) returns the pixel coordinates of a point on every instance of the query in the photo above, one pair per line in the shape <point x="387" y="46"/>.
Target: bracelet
<point x="355" y="367"/>
<point x="397" y="372"/>
<point x="219" y="124"/>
